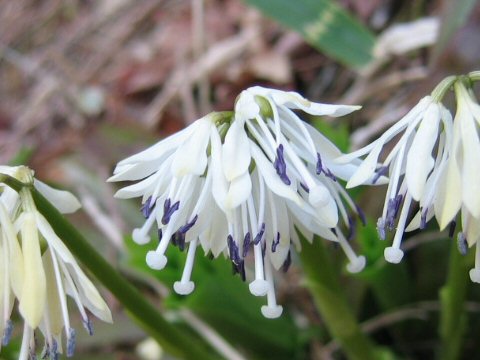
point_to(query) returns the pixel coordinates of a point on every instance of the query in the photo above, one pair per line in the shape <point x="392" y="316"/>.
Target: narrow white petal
<point x="367" y="169"/>
<point x="235" y="151"/>
<point x="64" y="201"/>
<point x="32" y="300"/>
<point x="191" y="156"/>
<point x="419" y="159"/>
<point x="219" y="183"/>
<point x="239" y="191"/>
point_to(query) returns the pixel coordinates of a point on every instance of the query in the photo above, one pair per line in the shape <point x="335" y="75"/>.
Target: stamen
<point x="246" y="244"/>
<point x="7" y="333"/>
<point x="87" y="324"/>
<point x="185" y="286"/>
<point x="168" y="210"/>
<point x="381" y="228"/>
<point x="233" y="250"/>
<point x="351" y="228"/>
<point x="423" y="219"/>
<point x="54" y="355"/>
<point x="475" y="272"/>
<point x="178" y="239"/>
<point x="304" y="187"/>
<point x="287" y="262"/>
<point x="259" y="235"/>
<point x="319" y="169"/>
<point x="147" y="207"/>
<point x="275" y="243"/>
<point x="451" y="228"/>
<point x="271" y="310"/>
<point x="71" y="342"/>
<point x="392" y="211"/>
<point x="462" y="243"/>
<point x="361" y="215"/>
<point x="393" y="254"/>
<point x="380" y="172"/>
<point x="281" y="166"/>
<point x="188" y="225"/>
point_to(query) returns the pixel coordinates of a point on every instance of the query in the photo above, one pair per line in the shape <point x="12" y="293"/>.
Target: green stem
<point x="453" y="319"/>
<point x="166" y="334"/>
<point x="331" y="301"/>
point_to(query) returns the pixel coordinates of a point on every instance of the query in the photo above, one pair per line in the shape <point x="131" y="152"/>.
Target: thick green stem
<point x="331" y="301"/>
<point x="453" y="319"/>
<point x="173" y="340"/>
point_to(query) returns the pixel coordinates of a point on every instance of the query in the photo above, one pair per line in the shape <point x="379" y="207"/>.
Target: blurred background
<point x="83" y="84"/>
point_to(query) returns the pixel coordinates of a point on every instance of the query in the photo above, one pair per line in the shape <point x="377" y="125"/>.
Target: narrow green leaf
<point x="325" y="25"/>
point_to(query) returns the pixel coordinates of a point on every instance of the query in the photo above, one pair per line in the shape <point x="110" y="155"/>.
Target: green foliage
<point x="325" y="25"/>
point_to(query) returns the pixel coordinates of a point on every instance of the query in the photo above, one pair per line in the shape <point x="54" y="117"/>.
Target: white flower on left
<point x="38" y="270"/>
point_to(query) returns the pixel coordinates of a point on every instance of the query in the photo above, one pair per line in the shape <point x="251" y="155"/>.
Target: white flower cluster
<point x="242" y="182"/>
<point x="38" y="270"/>
<point x="435" y="164"/>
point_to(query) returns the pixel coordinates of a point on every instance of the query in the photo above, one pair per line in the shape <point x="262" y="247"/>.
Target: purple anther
<point x="462" y="243"/>
<point x="159" y="234"/>
<point x="423" y="219"/>
<point x="305" y="187"/>
<point x="451" y="228"/>
<point x="169" y="210"/>
<point x="188" y="225"/>
<point x="239" y="269"/>
<point x="259" y="236"/>
<point x="233" y="249"/>
<point x="392" y="211"/>
<point x="180" y="240"/>
<point x="287" y="262"/>
<point x="147" y="207"/>
<point x="54" y="355"/>
<point x="7" y="333"/>
<point x="275" y="243"/>
<point x="246" y="244"/>
<point x="381" y="228"/>
<point x="351" y="228"/>
<point x="380" y="172"/>
<point x="71" y="342"/>
<point x="87" y="324"/>
<point x="319" y="167"/>
<point x="281" y="166"/>
<point x="361" y="215"/>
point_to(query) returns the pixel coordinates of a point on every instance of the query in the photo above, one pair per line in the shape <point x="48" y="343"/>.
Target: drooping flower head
<point x="39" y="271"/>
<point x="433" y="163"/>
<point x="241" y="182"/>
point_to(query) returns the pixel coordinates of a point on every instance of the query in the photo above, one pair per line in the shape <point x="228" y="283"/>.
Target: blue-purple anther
<point x="392" y="211"/>
<point x="275" y="243"/>
<point x="259" y="236"/>
<point x="178" y="239"/>
<point x="281" y="166"/>
<point x="7" y="334"/>
<point x="320" y="168"/>
<point x="361" y="215"/>
<point x="462" y="243"/>
<point x="380" y="172"/>
<point x="423" y="219"/>
<point x="451" y="228"/>
<point x="246" y="244"/>
<point x="147" y="207"/>
<point x="71" y="342"/>
<point x="168" y="210"/>
<point x="233" y="249"/>
<point x="381" y="228"/>
<point x="351" y="227"/>
<point x="188" y="225"/>
<point x="87" y="324"/>
<point x="287" y="262"/>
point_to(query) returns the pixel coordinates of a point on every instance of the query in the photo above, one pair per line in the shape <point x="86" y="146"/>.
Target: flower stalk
<point x="171" y="339"/>
<point x="331" y="302"/>
<point x="453" y="319"/>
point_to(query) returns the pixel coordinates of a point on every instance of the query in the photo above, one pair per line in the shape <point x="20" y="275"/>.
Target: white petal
<point x="246" y="107"/>
<point x="137" y="171"/>
<point x="239" y="191"/>
<point x="161" y="148"/>
<point x="191" y="156"/>
<point x="32" y="300"/>
<point x="219" y="183"/>
<point x="235" y="151"/>
<point x="471" y="161"/>
<point x="419" y="159"/>
<point x="367" y="169"/>
<point x="64" y="201"/>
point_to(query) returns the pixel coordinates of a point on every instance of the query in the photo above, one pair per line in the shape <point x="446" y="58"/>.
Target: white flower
<point x="415" y="165"/>
<point x="231" y="182"/>
<point x="39" y="271"/>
